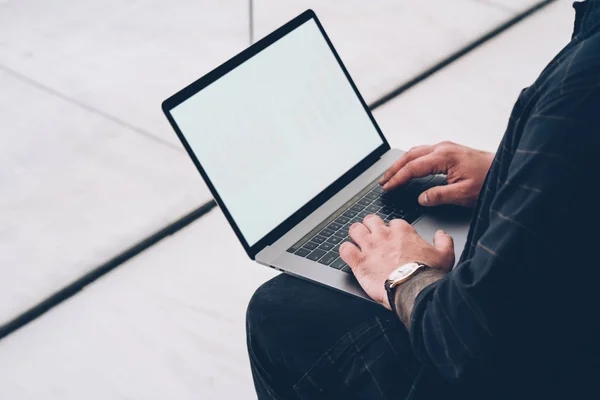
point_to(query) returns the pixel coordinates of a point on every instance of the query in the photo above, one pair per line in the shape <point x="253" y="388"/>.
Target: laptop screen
<point x="277" y="130"/>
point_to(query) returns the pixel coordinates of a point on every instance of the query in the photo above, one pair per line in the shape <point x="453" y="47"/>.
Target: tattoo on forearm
<point x="407" y="292"/>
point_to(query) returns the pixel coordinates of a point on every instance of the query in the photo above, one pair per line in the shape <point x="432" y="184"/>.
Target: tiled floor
<point x="469" y="102"/>
<point x="385" y="46"/>
<point x="79" y="189"/>
<point x="89" y="164"/>
<point x="161" y="326"/>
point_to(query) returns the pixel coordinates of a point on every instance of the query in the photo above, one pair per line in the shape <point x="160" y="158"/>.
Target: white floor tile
<point x="122" y="57"/>
<point x="384" y="43"/>
<point x="469" y="102"/>
<point x="513" y="5"/>
<point x="167" y="325"/>
<point x="75" y="190"/>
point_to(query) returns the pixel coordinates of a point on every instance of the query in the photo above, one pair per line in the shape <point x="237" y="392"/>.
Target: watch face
<point x="403" y="272"/>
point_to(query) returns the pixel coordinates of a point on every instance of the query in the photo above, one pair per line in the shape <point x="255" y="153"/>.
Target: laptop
<point x="292" y="155"/>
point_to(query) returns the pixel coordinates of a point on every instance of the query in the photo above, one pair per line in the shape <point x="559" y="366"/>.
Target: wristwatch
<point x="400" y="275"/>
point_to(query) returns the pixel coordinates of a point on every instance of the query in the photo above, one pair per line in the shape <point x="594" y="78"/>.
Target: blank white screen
<point x="277" y="130"/>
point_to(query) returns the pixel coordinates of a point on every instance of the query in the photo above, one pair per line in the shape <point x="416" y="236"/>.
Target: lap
<point x="307" y="341"/>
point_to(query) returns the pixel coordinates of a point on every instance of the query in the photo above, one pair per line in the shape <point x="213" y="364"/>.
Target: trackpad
<point x="453" y="220"/>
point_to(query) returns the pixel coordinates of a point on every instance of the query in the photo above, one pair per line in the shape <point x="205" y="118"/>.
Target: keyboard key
<point x="378" y="189"/>
<point x="372" y="196"/>
<point x="302" y="252"/>
<point x="334" y="240"/>
<point x="372" y="209"/>
<point x="357" y="208"/>
<point x="292" y="249"/>
<point x="334" y="226"/>
<point x="328" y="258"/>
<point x="350" y="214"/>
<point x="316" y="254"/>
<point x="342" y="220"/>
<point x="347" y="269"/>
<point x="337" y="247"/>
<point x="310" y="245"/>
<point x="342" y="233"/>
<point x="318" y="239"/>
<point x="386" y="210"/>
<point x="378" y="202"/>
<point x="326" y="232"/>
<point x="380" y="215"/>
<point x="326" y="246"/>
<point x="355" y="220"/>
<point x="364" y="202"/>
<point x="338" y="263"/>
<point x="363" y="214"/>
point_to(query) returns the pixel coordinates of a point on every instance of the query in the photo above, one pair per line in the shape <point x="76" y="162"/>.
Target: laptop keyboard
<point x="323" y="243"/>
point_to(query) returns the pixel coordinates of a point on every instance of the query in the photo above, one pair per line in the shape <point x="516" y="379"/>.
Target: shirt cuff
<point x="416" y="335"/>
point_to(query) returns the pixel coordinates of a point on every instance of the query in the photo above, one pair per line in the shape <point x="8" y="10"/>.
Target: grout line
<point x="74" y="287"/>
<point x="458" y="54"/>
<point x="91" y="109"/>
<point x="251" y="20"/>
<point x="79" y="284"/>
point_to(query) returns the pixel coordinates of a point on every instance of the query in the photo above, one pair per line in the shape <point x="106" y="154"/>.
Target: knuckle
<point x="369" y="217"/>
<point x="412" y="150"/>
<point x="354" y="226"/>
<point x="402" y="223"/>
<point x="360" y="261"/>
<point x="444" y="150"/>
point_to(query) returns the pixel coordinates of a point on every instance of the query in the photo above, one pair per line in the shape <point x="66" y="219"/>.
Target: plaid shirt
<point x="518" y="316"/>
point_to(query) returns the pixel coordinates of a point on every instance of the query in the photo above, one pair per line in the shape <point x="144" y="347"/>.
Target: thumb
<point x="447" y="194"/>
<point x="444" y="243"/>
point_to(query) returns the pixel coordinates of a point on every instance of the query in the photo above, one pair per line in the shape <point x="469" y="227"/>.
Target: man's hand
<point x="381" y="249"/>
<point x="465" y="168"/>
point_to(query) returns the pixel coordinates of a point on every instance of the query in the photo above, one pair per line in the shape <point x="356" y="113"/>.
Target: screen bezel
<point x="320" y="198"/>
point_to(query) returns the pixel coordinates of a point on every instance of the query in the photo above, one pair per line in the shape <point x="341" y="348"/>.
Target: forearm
<point x="407" y="292"/>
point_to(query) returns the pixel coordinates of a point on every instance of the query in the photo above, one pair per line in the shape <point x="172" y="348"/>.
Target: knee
<point x="266" y="335"/>
<point x="263" y="309"/>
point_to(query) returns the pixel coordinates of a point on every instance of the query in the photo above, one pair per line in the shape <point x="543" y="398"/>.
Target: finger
<point x="445" y="245"/>
<point x="373" y="223"/>
<point x="448" y="194"/>
<point x="398" y="224"/>
<point x="359" y="234"/>
<point x="432" y="163"/>
<point x="350" y="254"/>
<point x="410" y="155"/>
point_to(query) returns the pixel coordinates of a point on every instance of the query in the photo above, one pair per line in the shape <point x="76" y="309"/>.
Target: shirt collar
<point x="587" y="16"/>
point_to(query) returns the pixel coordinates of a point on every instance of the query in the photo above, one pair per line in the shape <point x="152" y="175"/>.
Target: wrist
<point x="398" y="276"/>
<point x="406" y="293"/>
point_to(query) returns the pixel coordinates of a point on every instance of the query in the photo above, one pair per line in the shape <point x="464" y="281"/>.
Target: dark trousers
<point x="310" y="342"/>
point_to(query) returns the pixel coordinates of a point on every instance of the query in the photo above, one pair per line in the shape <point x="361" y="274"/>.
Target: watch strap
<point x="391" y="294"/>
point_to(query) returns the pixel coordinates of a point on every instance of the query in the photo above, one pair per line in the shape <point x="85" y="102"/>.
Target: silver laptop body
<point x="287" y="145"/>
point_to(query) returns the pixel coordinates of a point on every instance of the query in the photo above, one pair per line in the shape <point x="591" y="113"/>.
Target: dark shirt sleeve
<point x="467" y="324"/>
